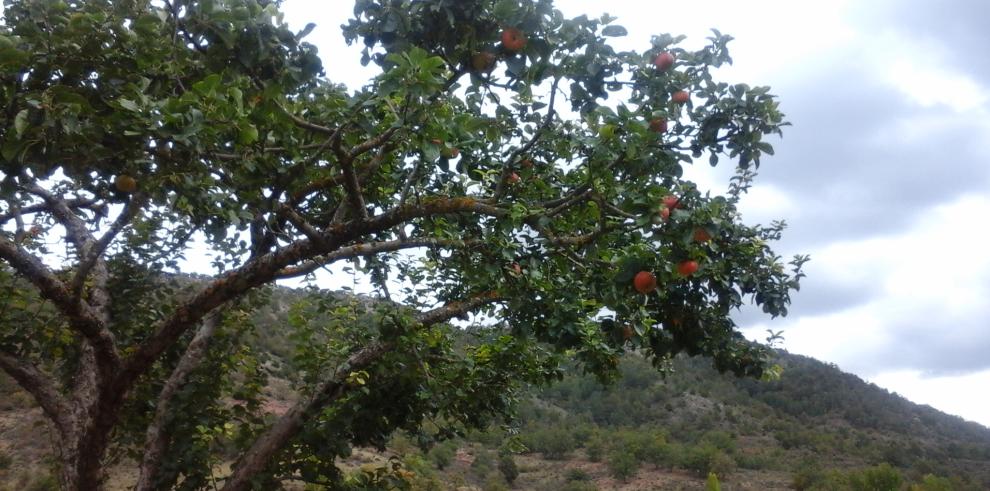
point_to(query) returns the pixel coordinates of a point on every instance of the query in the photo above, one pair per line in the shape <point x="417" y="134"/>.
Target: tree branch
<point x="75" y="203"/>
<point x="79" y="314"/>
<point x="265" y="268"/>
<point x="42" y="387"/>
<point x="503" y="180"/>
<point x="282" y="431"/>
<point x="155" y="439"/>
<point x="94" y="251"/>
<point x="372" y="143"/>
<point x="370" y="249"/>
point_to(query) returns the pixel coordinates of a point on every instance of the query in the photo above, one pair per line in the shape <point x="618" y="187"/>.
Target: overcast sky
<point x="883" y="178"/>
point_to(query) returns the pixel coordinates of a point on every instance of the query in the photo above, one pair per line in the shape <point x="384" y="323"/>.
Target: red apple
<point x="664" y="61"/>
<point x="687" y="268"/>
<point x="680" y="97"/>
<point x="658" y="125"/>
<point x="645" y="282"/>
<point x="513" y="178"/>
<point x="671" y="201"/>
<point x="526" y="164"/>
<point x="513" y="40"/>
<point x="665" y="213"/>
<point x="516" y="268"/>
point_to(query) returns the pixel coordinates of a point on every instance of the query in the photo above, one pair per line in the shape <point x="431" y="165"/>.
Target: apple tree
<point x="505" y="163"/>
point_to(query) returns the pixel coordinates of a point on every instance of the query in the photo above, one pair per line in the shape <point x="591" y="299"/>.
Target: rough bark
<point x="156" y="439"/>
<point x="257" y="458"/>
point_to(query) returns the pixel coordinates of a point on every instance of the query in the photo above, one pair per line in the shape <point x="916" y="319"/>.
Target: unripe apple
<point x="687" y="268"/>
<point x="526" y="164"/>
<point x="671" y="201"/>
<point x="701" y="235"/>
<point x="450" y="152"/>
<point x="627" y="332"/>
<point x="516" y="268"/>
<point x="680" y="97"/>
<point x="664" y="61"/>
<point x="645" y="282"/>
<point x="125" y="183"/>
<point x="483" y="62"/>
<point x="665" y="213"/>
<point x="658" y="125"/>
<point x="513" y="40"/>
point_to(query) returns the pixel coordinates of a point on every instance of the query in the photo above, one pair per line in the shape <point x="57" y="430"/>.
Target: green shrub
<point x="554" y="442"/>
<point x="442" y="454"/>
<point x="494" y="483"/>
<point x="595" y="449"/>
<point x="705" y="458"/>
<point x="807" y="474"/>
<point x="622" y="464"/>
<point x="507" y="466"/>
<point x="482" y="464"/>
<point x="933" y="483"/>
<point x="880" y="478"/>
<point x="720" y="439"/>
<point x="577" y="475"/>
<point x="660" y="453"/>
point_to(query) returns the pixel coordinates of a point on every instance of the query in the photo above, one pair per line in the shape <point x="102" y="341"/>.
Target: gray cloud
<point x="937" y="346"/>
<point x="818" y="296"/>
<point x="850" y="180"/>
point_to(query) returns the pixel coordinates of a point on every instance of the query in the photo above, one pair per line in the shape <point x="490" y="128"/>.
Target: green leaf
<point x="247" y="135"/>
<point x="128" y="104"/>
<point x="614" y="31"/>
<point x="21" y="122"/>
<point x="12" y="57"/>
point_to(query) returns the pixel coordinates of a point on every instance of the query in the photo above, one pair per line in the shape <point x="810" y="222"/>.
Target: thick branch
<point x="363" y="173"/>
<point x="258" y="456"/>
<point x="301" y="223"/>
<point x="93" y="252"/>
<point x="75" y="203"/>
<point x="75" y="227"/>
<point x="353" y="188"/>
<point x="373" y="143"/>
<point x="42" y="387"/>
<point x="156" y="438"/>
<point x="370" y="249"/>
<point x="79" y="314"/>
<point x="263" y="269"/>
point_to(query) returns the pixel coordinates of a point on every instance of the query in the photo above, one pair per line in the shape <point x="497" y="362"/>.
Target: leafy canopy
<point x="525" y="184"/>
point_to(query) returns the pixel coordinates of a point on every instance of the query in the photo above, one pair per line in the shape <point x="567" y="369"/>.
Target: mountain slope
<point x="814" y="428"/>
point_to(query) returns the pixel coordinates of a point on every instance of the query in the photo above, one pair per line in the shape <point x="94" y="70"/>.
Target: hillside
<point x="814" y="428"/>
